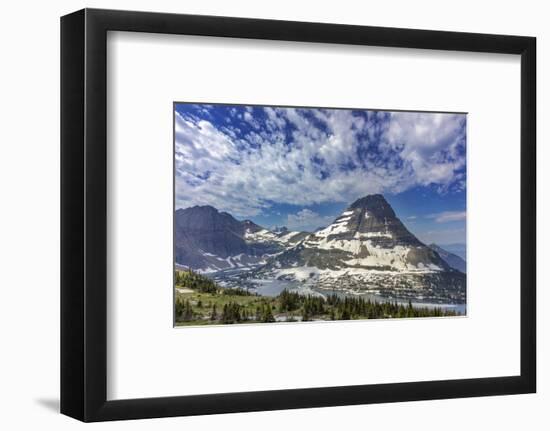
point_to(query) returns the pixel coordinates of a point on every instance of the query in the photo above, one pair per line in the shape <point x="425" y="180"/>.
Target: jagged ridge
<point x="209" y="240"/>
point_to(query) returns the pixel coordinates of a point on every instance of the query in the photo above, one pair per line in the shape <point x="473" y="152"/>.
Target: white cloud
<point x="448" y="216"/>
<point x="247" y="116"/>
<point x="304" y="157"/>
<point x="307" y="220"/>
<point x="432" y="144"/>
<point x="274" y="120"/>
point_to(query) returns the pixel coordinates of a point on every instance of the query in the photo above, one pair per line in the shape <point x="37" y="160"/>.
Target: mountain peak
<point x="376" y="204"/>
<point x="206" y="207"/>
<point x="197" y="208"/>
<point x="251" y="226"/>
<point x="280" y="229"/>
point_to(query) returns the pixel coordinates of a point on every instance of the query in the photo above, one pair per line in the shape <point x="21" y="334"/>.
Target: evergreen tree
<point x="258" y="316"/>
<point x="214" y="313"/>
<point x="267" y="315"/>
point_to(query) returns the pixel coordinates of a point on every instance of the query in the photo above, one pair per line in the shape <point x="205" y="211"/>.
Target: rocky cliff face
<point x="203" y="230"/>
<point x="373" y="215"/>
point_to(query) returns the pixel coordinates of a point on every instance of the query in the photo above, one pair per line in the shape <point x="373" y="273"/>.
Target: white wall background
<point x="29" y="215"/>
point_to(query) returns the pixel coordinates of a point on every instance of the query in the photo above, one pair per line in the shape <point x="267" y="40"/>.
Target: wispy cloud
<point x="245" y="159"/>
<point x="448" y="216"/>
<point x="307" y="220"/>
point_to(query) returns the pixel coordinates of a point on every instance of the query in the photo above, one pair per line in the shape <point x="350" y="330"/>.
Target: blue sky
<point x="301" y="167"/>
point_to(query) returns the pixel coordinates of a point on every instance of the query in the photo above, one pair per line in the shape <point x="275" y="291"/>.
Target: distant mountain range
<point x="456" y="248"/>
<point x="366" y="247"/>
<point x="453" y="260"/>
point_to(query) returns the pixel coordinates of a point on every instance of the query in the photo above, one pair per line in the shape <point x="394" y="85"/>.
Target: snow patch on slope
<point x="262" y="235"/>
<point x="364" y="235"/>
<point x="333" y="229"/>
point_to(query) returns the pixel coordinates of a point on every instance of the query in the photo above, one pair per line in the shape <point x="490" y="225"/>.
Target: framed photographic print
<point x="262" y="215"/>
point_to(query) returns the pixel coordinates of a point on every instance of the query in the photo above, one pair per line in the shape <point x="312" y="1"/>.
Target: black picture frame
<point x="84" y="214"/>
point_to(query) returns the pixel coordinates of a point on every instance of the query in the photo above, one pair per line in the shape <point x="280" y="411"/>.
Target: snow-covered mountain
<point x="208" y="240"/>
<point x="367" y="247"/>
<point x="367" y="235"/>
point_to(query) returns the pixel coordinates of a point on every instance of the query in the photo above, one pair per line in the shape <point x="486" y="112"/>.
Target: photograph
<point x="296" y="214"/>
<point x="279" y="215"/>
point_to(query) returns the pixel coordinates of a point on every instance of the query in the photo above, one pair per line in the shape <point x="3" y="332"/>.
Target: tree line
<point x="346" y="308"/>
<point x="292" y="304"/>
<point x="200" y="283"/>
